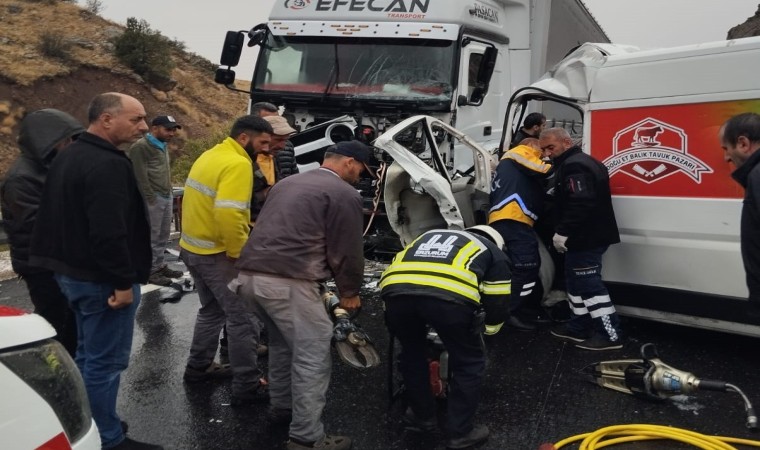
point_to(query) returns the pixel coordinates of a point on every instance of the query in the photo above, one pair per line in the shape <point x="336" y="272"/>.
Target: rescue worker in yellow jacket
<point x="458" y="283"/>
<point x="215" y="226"/>
<point x="517" y="199"/>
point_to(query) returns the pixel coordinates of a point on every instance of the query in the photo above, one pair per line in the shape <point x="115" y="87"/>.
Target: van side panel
<point x="678" y="208"/>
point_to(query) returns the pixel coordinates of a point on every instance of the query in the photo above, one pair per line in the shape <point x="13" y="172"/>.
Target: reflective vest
<point x="216" y="204"/>
<point x="452" y="265"/>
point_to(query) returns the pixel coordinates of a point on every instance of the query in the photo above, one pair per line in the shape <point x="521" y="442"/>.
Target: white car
<point x="44" y="403"/>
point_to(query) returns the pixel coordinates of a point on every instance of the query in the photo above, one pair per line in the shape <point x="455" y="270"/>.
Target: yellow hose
<point x="618" y="434"/>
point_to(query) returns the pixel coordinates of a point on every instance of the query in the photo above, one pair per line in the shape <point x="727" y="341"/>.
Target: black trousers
<point x="408" y="317"/>
<point x="50" y="303"/>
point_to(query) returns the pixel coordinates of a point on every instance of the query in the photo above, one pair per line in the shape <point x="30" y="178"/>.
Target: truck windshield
<point x="358" y="68"/>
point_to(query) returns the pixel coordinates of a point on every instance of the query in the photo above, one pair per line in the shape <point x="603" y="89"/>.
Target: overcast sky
<point x="645" y="23"/>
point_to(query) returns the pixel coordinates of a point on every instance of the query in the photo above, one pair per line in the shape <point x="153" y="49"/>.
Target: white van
<point x="44" y="402"/>
<point x="652" y="117"/>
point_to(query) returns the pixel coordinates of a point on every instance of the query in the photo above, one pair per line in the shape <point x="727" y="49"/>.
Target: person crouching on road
<point x="457" y="282"/>
<point x="585" y="228"/>
<point x="310" y="230"/>
<point x="215" y="225"/>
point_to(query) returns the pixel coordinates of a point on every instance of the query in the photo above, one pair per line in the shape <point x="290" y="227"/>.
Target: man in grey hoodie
<point x="43" y="134"/>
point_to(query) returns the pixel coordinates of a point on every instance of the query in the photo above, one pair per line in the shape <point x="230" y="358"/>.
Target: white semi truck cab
<point x="380" y="61"/>
<point x="351" y="69"/>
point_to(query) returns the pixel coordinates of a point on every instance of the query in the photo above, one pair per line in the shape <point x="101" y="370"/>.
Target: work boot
<point x="478" y="435"/>
<point x="599" y="342"/>
<point x="327" y="443"/>
<point x="169" y="273"/>
<point x="131" y="444"/>
<point x="159" y="279"/>
<point x="413" y="423"/>
<point x="279" y="416"/>
<point x="213" y="372"/>
<point x="255" y="396"/>
<point x="518" y="324"/>
<point x="565" y="332"/>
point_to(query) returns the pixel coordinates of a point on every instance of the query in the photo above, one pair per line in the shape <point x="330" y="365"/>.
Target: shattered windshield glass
<point x="359" y="68"/>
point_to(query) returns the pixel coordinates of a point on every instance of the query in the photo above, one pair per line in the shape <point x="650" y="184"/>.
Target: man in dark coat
<point x="585" y="228"/>
<point x="92" y="230"/>
<point x="42" y="135"/>
<point x="532" y="126"/>
<point x="740" y="140"/>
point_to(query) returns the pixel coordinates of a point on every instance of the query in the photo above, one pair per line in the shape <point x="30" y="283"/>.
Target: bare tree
<point x="93" y="6"/>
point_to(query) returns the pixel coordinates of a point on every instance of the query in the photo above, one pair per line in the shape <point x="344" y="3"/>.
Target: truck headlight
<point x="48" y="369"/>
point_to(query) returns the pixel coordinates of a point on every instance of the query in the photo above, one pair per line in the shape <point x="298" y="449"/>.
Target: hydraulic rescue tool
<point x="652" y="379"/>
<point x="353" y="344"/>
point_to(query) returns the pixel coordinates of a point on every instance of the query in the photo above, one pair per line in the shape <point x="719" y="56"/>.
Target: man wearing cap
<point x="150" y="160"/>
<point x="309" y="231"/>
<point x="285" y="158"/>
<point x="265" y="169"/>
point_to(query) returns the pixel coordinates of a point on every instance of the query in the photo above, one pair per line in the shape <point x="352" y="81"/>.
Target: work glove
<point x="559" y="243"/>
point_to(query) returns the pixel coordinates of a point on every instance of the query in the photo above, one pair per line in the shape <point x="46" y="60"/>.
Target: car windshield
<point x="357" y="68"/>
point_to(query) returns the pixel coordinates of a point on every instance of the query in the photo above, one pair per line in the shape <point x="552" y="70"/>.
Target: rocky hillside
<point x="751" y="27"/>
<point x="29" y="80"/>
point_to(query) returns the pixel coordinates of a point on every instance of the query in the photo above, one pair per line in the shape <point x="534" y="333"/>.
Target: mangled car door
<point x="419" y="193"/>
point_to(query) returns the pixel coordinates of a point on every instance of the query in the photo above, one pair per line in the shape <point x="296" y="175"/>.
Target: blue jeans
<point x="104" y="342"/>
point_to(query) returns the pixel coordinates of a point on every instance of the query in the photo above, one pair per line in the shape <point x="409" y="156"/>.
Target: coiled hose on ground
<point x="619" y="434"/>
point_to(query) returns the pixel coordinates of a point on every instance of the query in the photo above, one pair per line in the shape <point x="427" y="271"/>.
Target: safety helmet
<point x="489" y="233"/>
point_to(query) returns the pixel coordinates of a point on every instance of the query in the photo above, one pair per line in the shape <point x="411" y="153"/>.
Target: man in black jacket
<point x="42" y="135"/>
<point x="532" y="126"/>
<point x="740" y="140"/>
<point x="92" y="231"/>
<point x="585" y="228"/>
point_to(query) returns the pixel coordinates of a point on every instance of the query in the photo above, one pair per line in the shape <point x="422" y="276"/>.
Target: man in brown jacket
<point x="310" y="230"/>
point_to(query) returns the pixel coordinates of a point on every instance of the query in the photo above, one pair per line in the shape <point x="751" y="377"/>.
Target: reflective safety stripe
<point x="467" y="254"/>
<point x="433" y="268"/>
<point x="526" y="292"/>
<point x="514" y="198"/>
<point x="462" y="289"/>
<point x="232" y="204"/>
<point x="493" y="329"/>
<point x="496" y="288"/>
<point x="200" y="243"/>
<point x="200" y="187"/>
<point x="581" y="306"/>
<point x="538" y="166"/>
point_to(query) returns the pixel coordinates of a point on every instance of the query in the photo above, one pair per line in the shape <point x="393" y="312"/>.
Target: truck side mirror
<point x="224" y="76"/>
<point x="233" y="47"/>
<point x="485" y="72"/>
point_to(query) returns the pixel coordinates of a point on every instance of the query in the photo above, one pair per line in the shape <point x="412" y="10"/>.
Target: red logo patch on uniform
<point x="650" y="150"/>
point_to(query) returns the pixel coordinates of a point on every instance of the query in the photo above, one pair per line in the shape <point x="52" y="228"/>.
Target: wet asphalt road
<point x="533" y="393"/>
